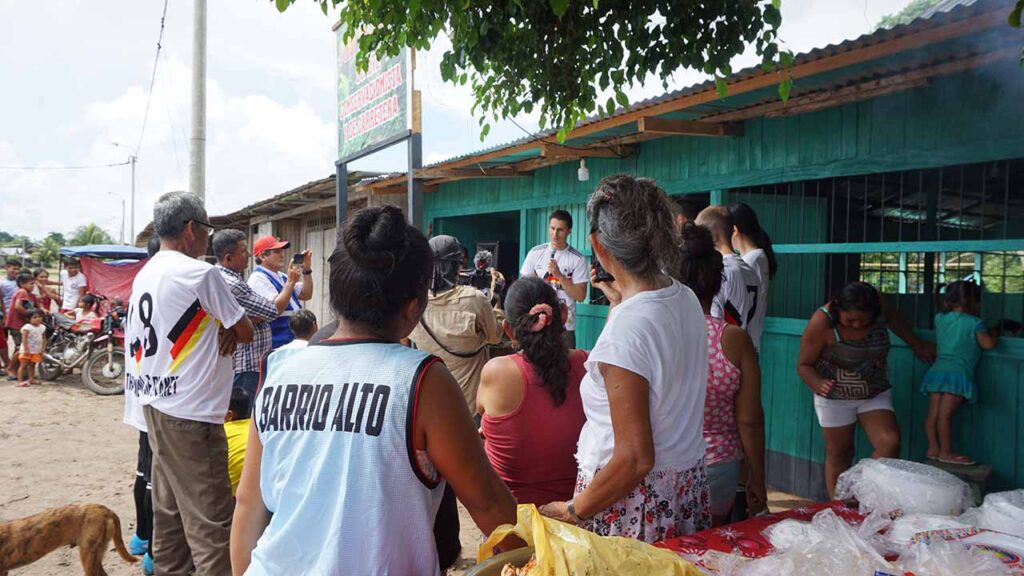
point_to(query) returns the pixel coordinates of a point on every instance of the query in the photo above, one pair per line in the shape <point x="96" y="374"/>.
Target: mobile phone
<point x="600" y="274"/>
<point x="297" y="258"/>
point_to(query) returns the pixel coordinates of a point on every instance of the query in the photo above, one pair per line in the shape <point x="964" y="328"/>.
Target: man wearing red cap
<point x="269" y="281"/>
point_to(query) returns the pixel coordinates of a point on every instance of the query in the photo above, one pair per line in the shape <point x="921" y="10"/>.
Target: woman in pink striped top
<point x="733" y="417"/>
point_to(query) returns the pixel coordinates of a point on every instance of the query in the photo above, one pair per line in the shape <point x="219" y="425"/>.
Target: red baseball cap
<point x="268" y="243"/>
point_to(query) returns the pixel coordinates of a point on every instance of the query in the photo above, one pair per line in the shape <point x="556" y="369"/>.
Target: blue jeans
<point x="723" y="479"/>
<point x="247" y="381"/>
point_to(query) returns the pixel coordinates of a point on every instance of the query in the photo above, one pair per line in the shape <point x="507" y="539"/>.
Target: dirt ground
<point x="61" y="444"/>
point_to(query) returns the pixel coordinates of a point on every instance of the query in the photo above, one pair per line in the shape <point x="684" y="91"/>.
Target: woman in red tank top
<point x="530" y="402"/>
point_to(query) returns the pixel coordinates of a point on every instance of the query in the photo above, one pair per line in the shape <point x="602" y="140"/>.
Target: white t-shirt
<point x="757" y="260"/>
<point x="662" y="336"/>
<point x="171" y="340"/>
<point x="297" y="343"/>
<point x="32" y="338"/>
<point x="736" y="301"/>
<point x="71" y="286"/>
<point x="571" y="262"/>
<point x="260" y="284"/>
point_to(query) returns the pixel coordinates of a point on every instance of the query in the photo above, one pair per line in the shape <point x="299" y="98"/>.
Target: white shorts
<point x="838" y="413"/>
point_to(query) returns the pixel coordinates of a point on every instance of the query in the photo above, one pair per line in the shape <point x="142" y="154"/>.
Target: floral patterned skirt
<point x="666" y="504"/>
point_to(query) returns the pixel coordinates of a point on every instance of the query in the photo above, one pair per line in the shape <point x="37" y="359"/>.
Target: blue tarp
<point x="105" y="251"/>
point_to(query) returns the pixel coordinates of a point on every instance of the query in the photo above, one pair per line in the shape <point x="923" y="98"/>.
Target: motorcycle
<point x="95" y="344"/>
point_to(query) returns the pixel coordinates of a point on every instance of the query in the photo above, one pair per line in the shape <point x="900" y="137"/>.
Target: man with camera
<point x="269" y="281"/>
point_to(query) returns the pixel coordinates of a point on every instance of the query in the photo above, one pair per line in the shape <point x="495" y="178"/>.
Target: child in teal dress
<point x="961" y="336"/>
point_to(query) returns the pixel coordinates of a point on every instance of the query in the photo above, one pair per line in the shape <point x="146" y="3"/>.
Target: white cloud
<point x="81" y="74"/>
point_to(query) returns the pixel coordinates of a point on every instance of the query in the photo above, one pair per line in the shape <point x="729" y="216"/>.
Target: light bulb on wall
<point x="583" y="174"/>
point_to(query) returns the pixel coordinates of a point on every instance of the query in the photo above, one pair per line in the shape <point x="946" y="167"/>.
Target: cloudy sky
<point x="75" y="75"/>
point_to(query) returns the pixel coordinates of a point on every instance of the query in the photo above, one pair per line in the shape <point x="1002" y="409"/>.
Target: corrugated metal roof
<point x="945" y="12"/>
<point x="945" y="6"/>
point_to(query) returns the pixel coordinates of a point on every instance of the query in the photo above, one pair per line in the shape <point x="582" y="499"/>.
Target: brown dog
<point x="90" y="526"/>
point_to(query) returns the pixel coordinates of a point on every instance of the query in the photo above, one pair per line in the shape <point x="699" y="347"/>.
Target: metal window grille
<point x="905" y="232"/>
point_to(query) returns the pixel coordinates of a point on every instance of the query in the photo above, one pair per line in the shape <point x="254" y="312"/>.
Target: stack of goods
<point x="913" y="520"/>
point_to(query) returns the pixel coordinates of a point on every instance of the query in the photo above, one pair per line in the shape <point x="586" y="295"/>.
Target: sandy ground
<point x="60" y="444"/>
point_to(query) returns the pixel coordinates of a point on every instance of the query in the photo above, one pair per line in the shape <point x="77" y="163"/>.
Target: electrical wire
<point x="152" y="80"/>
<point x="81" y="167"/>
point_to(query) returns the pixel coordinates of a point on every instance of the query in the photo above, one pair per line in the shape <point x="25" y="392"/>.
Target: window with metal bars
<point x="905" y="232"/>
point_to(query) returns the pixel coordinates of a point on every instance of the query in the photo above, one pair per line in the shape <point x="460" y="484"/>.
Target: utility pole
<point x="122" y="221"/>
<point x="197" y="138"/>
<point x="131" y="229"/>
<point x="132" y="159"/>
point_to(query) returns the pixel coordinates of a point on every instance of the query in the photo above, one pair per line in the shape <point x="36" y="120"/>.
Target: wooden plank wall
<point x="971" y="117"/>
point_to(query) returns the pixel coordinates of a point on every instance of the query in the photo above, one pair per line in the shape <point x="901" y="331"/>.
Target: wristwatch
<point x="306" y="271"/>
<point x="572" y="512"/>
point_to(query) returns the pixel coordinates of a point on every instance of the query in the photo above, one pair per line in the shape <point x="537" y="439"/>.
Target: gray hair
<point x="173" y="210"/>
<point x="632" y="218"/>
<point x="225" y="241"/>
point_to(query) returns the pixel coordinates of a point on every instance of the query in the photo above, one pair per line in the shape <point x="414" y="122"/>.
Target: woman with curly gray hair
<point x="641" y="453"/>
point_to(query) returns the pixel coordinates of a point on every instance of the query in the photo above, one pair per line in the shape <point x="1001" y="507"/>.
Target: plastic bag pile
<point x="916" y="524"/>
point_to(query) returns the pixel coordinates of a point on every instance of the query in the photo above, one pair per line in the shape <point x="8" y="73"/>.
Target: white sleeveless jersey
<point x="339" y="471"/>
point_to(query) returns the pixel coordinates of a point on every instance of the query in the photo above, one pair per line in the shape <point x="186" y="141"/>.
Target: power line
<point x="152" y="80"/>
<point x="81" y="167"/>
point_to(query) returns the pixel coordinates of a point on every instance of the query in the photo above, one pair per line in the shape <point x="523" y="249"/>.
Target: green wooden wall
<point x="966" y="118"/>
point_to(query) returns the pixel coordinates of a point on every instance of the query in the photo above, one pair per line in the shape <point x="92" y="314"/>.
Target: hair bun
<point x="697" y="241"/>
<point x="377" y="237"/>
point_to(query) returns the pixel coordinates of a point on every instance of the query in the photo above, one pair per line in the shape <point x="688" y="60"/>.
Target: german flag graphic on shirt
<point x="187" y="332"/>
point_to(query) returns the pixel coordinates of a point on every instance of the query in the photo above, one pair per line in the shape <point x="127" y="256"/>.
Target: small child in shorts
<point x="33" y="343"/>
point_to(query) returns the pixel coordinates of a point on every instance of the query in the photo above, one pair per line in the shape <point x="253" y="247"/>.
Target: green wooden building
<point x="898" y="160"/>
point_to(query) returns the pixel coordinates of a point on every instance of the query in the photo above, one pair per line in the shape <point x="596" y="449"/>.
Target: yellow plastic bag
<point x="566" y="550"/>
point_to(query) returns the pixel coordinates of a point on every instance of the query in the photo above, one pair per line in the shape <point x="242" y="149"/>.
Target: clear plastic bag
<point x="942" y="558"/>
<point x="905" y="527"/>
<point x="1001" y="512"/>
<point x="889" y="485"/>
<point x="832" y="548"/>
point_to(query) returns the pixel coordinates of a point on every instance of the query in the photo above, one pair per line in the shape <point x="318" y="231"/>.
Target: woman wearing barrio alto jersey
<point x="641" y="451"/>
<point x="354" y="437"/>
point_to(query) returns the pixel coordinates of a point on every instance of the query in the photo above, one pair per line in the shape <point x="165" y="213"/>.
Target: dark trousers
<point x="247" y="381"/>
<point x="192" y="502"/>
<point x="143" y="492"/>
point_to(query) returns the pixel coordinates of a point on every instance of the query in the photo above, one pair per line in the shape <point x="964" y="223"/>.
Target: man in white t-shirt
<point x="181" y="328"/>
<point x="73" y="283"/>
<point x="562" y="266"/>
<point x="736" y="302"/>
<point x="269" y="280"/>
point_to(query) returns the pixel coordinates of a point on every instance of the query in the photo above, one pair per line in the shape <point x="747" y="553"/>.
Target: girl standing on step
<point x="949" y="382"/>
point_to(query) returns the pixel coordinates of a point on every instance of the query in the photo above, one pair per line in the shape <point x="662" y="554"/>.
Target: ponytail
<point x="745" y="220"/>
<point x="533" y="312"/>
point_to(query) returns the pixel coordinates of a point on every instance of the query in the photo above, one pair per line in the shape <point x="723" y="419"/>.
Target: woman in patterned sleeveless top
<point x="733" y="416"/>
<point x="843" y="360"/>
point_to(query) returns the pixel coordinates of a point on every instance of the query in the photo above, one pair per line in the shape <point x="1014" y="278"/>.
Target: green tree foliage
<point x="90" y="234"/>
<point x="47" y="252"/>
<point x="558" y="55"/>
<point x="5" y="238"/>
<point x="57" y="237"/>
<point x="911" y="11"/>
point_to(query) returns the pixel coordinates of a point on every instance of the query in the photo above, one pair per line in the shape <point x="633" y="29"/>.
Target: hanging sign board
<point x="373" y="106"/>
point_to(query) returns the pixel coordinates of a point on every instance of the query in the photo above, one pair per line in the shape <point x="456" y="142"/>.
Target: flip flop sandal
<point x="22" y="384"/>
<point x="962" y="461"/>
<point x="12" y="378"/>
<point x="930" y="457"/>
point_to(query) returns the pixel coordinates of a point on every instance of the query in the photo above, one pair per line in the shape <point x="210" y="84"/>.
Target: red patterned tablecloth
<point x="744" y="538"/>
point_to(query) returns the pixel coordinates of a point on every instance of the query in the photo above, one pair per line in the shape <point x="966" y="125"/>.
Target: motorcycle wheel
<point x="103" y="373"/>
<point x="49" y="371"/>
